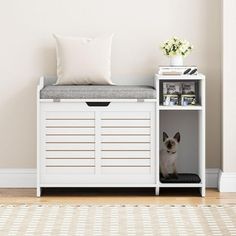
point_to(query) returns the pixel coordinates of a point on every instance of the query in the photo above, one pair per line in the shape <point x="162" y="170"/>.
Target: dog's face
<point x="171" y="143"/>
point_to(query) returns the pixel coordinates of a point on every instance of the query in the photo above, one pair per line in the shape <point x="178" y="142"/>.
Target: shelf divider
<point x="185" y="108"/>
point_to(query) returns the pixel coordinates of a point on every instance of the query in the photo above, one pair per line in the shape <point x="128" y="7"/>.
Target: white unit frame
<point x="98" y="156"/>
<point x="200" y="109"/>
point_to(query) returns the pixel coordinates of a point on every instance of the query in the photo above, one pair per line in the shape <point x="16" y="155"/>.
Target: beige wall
<point x="229" y="84"/>
<point x="27" y="51"/>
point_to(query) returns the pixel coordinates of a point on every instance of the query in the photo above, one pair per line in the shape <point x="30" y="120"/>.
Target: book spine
<point x="175" y="70"/>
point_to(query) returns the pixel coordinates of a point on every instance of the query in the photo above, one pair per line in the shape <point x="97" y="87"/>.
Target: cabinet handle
<point x="98" y="104"/>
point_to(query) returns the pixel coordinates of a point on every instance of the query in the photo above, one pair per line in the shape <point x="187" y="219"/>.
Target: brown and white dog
<point x="168" y="155"/>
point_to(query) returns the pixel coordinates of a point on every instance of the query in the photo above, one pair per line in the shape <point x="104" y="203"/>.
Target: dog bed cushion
<point x="182" y="178"/>
<point x="97" y="92"/>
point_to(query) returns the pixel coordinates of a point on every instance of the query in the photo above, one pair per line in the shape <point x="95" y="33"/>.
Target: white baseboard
<point x="26" y="178"/>
<point x="212" y="176"/>
<point x="17" y="178"/>
<point x="227" y="181"/>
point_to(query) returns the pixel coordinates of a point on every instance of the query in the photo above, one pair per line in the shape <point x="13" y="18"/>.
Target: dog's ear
<point x="177" y="137"/>
<point x="165" y="136"/>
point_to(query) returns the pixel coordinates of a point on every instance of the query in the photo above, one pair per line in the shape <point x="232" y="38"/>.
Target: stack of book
<point x="177" y="70"/>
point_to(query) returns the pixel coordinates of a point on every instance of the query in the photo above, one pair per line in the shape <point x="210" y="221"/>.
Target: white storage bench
<point x="96" y="136"/>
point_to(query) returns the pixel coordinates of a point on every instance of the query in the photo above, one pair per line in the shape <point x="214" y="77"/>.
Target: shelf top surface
<point x="197" y="107"/>
<point x="180" y="77"/>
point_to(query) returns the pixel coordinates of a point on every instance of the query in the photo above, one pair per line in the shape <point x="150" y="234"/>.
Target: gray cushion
<point x="97" y="92"/>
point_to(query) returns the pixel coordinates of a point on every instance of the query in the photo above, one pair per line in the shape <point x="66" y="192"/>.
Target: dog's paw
<point x="167" y="176"/>
<point x="175" y="175"/>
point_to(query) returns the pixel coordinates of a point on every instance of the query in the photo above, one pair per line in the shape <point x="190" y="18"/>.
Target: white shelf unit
<point x="190" y="122"/>
<point x="143" y="121"/>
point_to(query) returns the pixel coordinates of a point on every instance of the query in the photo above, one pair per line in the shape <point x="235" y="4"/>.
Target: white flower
<point x="176" y="46"/>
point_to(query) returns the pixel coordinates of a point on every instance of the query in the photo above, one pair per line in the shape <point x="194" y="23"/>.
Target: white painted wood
<point x="27" y="178"/>
<point x="70" y="139"/>
<point x="69" y="146"/>
<point x="72" y="143"/>
<point x="193" y="185"/>
<point x="125" y="138"/>
<point x="70" y="123"/>
<point x="126" y="162"/>
<point x="153" y="143"/>
<point x="185" y="108"/>
<point x="126" y="131"/>
<point x="73" y="179"/>
<point x="38" y="191"/>
<point x="136" y="170"/>
<point x="202" y="140"/>
<point x="73" y="106"/>
<point x="39" y="138"/>
<point x="70" y="115"/>
<point x="157" y="138"/>
<point x="126" y="115"/>
<point x="125" y="146"/>
<point x="70" y="131"/>
<point x="76" y="171"/>
<point x="43" y="101"/>
<point x="69" y="162"/>
<point x="203" y="191"/>
<point x="69" y="154"/>
<point x="114" y="184"/>
<point x="125" y="123"/>
<point x="98" y="143"/>
<point x="111" y="146"/>
<point x="177" y="77"/>
<point x="201" y="127"/>
<point x="126" y="154"/>
<point x="157" y="190"/>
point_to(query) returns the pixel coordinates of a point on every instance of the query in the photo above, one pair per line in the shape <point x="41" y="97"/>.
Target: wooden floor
<point x="114" y="196"/>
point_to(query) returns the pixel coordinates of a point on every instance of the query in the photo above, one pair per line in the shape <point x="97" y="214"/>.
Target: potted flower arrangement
<point x="176" y="49"/>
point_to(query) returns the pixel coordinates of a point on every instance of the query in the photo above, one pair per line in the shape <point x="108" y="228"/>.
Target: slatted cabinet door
<point x="97" y="145"/>
<point x="67" y="143"/>
<point x="123" y="152"/>
<point x="127" y="148"/>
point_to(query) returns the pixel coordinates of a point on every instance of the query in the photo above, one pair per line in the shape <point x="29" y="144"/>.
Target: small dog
<point x="168" y="155"/>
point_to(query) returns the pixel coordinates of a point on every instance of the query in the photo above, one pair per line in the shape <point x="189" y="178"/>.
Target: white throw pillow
<point x="83" y="60"/>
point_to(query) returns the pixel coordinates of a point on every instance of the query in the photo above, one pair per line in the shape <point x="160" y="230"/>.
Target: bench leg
<point x="157" y="190"/>
<point x="38" y="193"/>
<point x="203" y="192"/>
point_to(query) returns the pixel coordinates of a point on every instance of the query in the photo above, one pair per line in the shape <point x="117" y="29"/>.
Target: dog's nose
<point x="169" y="145"/>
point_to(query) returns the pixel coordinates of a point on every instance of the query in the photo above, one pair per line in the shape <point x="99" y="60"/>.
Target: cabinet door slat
<point x="70" y="154"/>
<point x="126" y="162"/>
<point x="125" y="123"/>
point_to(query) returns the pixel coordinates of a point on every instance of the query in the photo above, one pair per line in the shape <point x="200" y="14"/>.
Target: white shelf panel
<point x="184" y="108"/>
<point x="180" y="77"/>
<point x="86" y="185"/>
<point x="180" y="185"/>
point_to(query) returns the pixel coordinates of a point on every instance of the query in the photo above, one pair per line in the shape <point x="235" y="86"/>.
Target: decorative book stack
<point x="177" y="70"/>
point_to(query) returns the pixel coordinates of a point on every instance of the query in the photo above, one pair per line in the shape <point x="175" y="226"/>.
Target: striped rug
<point x="117" y="220"/>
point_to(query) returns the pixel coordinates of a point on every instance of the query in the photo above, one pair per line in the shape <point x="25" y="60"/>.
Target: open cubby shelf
<point x="180" y="92"/>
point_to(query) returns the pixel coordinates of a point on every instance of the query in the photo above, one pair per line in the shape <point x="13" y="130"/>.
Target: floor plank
<point x="114" y="196"/>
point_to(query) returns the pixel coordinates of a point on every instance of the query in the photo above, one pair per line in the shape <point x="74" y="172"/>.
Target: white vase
<point x="176" y="60"/>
